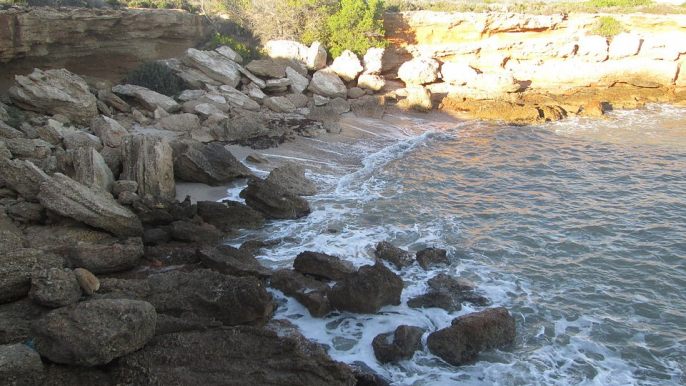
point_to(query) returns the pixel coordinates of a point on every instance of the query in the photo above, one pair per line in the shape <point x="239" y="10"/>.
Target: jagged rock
<point x="340" y="105"/>
<point x="431" y="257"/>
<point x="277" y="85"/>
<point x="298" y="100"/>
<point x="20" y="365"/>
<point x="347" y="66"/>
<point x="79" y="139"/>
<point x="111" y="99"/>
<point x="373" y="60"/>
<point x="210" y="164"/>
<point x="266" y="68"/>
<point x="254" y="92"/>
<point x="194" y="233"/>
<point x="95" y="332"/>
<point x="229" y="215"/>
<point x="355" y="92"/>
<point x="54" y="287"/>
<point x="371" y="82"/>
<point x="436" y="299"/>
<point x="232" y="261"/>
<point x="472" y="333"/>
<point x="593" y="109"/>
<point x="7" y="131"/>
<point x="148" y="160"/>
<point x="183" y="123"/>
<point x="11" y="237"/>
<point x="105" y="255"/>
<point x="91" y="170"/>
<point x="323" y="265"/>
<point x="191" y="77"/>
<point x="366" y="291"/>
<point x="150" y="100"/>
<point x="272" y="355"/>
<point x="124" y="186"/>
<point x="16" y="268"/>
<point x="238" y="99"/>
<point x="109" y="131"/>
<point x="459" y="291"/>
<point x="327" y="83"/>
<point x="273" y="200"/>
<point x="419" y="70"/>
<point x="292" y="177"/>
<point x="309" y="292"/>
<point x="279" y="104"/>
<point x="458" y="73"/>
<point x="214" y="65"/>
<point x="299" y="83"/>
<point x="231" y="300"/>
<point x="398" y="345"/>
<point x="95" y="208"/>
<point x="320" y="100"/>
<point x="87" y="281"/>
<point x="316" y="57"/>
<point x="55" y="92"/>
<point x="397" y="256"/>
<point x="229" y="54"/>
<point x="25" y="212"/>
<point x="21" y="147"/>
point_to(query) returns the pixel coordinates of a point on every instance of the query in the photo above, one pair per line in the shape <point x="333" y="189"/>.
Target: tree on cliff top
<point x="356" y="26"/>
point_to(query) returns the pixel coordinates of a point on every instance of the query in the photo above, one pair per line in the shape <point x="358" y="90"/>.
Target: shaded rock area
<point x="398" y="345"/>
<point x="367" y="290"/>
<point x="448" y="293"/>
<point x="232" y="261"/>
<point x="55" y="287"/>
<point x="322" y="265"/>
<point x="274" y="200"/>
<point x="210" y="164"/>
<point x="20" y="365"/>
<point x="310" y="292"/>
<point x="228" y="215"/>
<point x="432" y="257"/>
<point x="17" y="267"/>
<point x="397" y="256"/>
<point x="472" y="333"/>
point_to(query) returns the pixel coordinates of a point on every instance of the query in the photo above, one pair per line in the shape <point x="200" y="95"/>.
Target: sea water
<point x="578" y="228"/>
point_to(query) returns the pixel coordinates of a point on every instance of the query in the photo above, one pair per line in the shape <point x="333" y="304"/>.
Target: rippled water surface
<point x="578" y="228"/>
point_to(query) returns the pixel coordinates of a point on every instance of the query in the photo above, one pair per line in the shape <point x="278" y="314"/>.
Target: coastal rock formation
<point x="232" y="261"/>
<point x="105" y="255"/>
<point x="215" y="65"/>
<point x="95" y="332"/>
<point x="367" y="290"/>
<point x="273" y="200"/>
<point x="431" y="257"/>
<point x="472" y="333"/>
<point x="398" y="345"/>
<point x="55" y="287"/>
<point x="322" y="265"/>
<point x="148" y="160"/>
<point x="229" y="215"/>
<point x="210" y="164"/>
<point x="292" y="177"/>
<point x="328" y="84"/>
<point x="311" y="293"/>
<point x="389" y="252"/>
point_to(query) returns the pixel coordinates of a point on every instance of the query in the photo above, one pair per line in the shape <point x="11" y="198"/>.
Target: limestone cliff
<point x="103" y="43"/>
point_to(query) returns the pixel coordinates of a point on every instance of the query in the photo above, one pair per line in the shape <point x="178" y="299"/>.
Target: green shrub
<point x="619" y="3"/>
<point x="609" y="27"/>
<point x="157" y="77"/>
<point x="357" y="26"/>
<point x="247" y="53"/>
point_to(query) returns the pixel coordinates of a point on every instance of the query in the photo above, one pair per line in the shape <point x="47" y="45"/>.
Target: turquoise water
<point x="578" y="228"/>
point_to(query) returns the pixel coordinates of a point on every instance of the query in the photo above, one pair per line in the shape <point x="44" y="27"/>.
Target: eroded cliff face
<point x="547" y="52"/>
<point x="101" y="43"/>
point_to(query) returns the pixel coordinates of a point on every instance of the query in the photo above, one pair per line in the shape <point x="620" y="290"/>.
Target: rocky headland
<point x="109" y="275"/>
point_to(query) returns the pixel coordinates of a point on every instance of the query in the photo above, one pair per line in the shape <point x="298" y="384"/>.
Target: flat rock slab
<point x="232" y="261"/>
<point x="210" y="164"/>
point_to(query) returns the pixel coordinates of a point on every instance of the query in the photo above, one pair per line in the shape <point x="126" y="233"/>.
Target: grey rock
<point x="276" y="85"/>
<point x="323" y="265"/>
<point x="182" y="123"/>
<point x="266" y="68"/>
<point x="16" y="268"/>
<point x="232" y="261"/>
<point x="11" y="237"/>
<point x="230" y="215"/>
<point x="96" y="208"/>
<point x="327" y="83"/>
<point x="471" y="334"/>
<point x="316" y="57"/>
<point x="55" y="92"/>
<point x="109" y="131"/>
<point x="149" y="161"/>
<point x="311" y="293"/>
<point x="398" y="257"/>
<point x="279" y="104"/>
<point x="431" y="257"/>
<point x="25" y="212"/>
<point x="105" y="255"/>
<point x="298" y="82"/>
<point x="79" y="139"/>
<point x="91" y="169"/>
<point x="54" y="287"/>
<point x="237" y="99"/>
<point x="214" y="65"/>
<point x="95" y="332"/>
<point x="368" y="107"/>
<point x="150" y="100"/>
<point x="16" y="318"/>
<point x="20" y="365"/>
<point x="340" y="105"/>
<point x="273" y="200"/>
<point x="398" y="345"/>
<point x="111" y="99"/>
<point x="124" y="186"/>
<point x="7" y="131"/>
<point x="355" y="92"/>
<point x="210" y="164"/>
<point x="367" y="290"/>
<point x="436" y="299"/>
<point x="187" y="231"/>
<point x="230" y="54"/>
<point x="298" y="100"/>
<point x="292" y="177"/>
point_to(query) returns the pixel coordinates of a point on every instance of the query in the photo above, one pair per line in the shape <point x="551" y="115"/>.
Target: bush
<point x="609" y="27"/>
<point x="157" y="77"/>
<point x="357" y="26"/>
<point x="619" y="3"/>
<point x="247" y="53"/>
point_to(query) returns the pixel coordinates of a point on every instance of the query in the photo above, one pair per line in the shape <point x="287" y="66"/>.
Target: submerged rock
<point x="431" y="257"/>
<point x="398" y="345"/>
<point x="397" y="256"/>
<point x="229" y="215"/>
<point x="311" y="293"/>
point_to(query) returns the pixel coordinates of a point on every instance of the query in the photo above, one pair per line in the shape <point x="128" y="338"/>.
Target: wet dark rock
<point x="431" y="257"/>
<point x="156" y="236"/>
<point x="367" y="290"/>
<point x="232" y="261"/>
<point x="461" y="290"/>
<point x="273" y="200"/>
<point x="184" y="210"/>
<point x="292" y="177"/>
<point x="172" y="253"/>
<point x="472" y="333"/>
<point x="63" y="375"/>
<point x="16" y="268"/>
<point x="106" y="255"/>
<point x="210" y="164"/>
<point x="435" y="299"/>
<point x="397" y="256"/>
<point x="366" y="376"/>
<point x="20" y="365"/>
<point x="233" y="356"/>
<point x="308" y="291"/>
<point x="55" y="287"/>
<point x="195" y="233"/>
<point x="322" y="265"/>
<point x="228" y="215"/>
<point x="231" y="300"/>
<point x="398" y="345"/>
<point x="95" y="332"/>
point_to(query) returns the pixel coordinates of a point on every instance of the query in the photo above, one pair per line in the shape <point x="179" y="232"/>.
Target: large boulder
<point x="373" y="60"/>
<point x="311" y="293"/>
<point x="229" y="215"/>
<point x="458" y="73"/>
<point x="16" y="318"/>
<point x="397" y="256"/>
<point x="149" y="161"/>
<point x="71" y="199"/>
<point x="237" y="99"/>
<point x="17" y="267"/>
<point x="104" y="256"/>
<point x="231" y="300"/>
<point x="286" y="49"/>
<point x="215" y="65"/>
<point x="20" y="365"/>
<point x="23" y="177"/>
<point x="55" y="92"/>
<point x="299" y="83"/>
<point x="322" y="265"/>
<point x="292" y="177"/>
<point x="470" y="334"/>
<point x="371" y="82"/>
<point x="266" y="68"/>
<point x="149" y="99"/>
<point x="91" y="170"/>
<point x="316" y="57"/>
<point x="398" y="345"/>
<point x="191" y="232"/>
<point x="419" y="71"/>
<point x="367" y="290"/>
<point x="108" y="130"/>
<point x="210" y="164"/>
<point x="232" y="261"/>
<point x="95" y="332"/>
<point x="273" y="355"/>
<point x="55" y="287"/>
<point x="347" y="66"/>
<point x="273" y="200"/>
<point x="279" y="104"/>
<point x="328" y="84"/>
